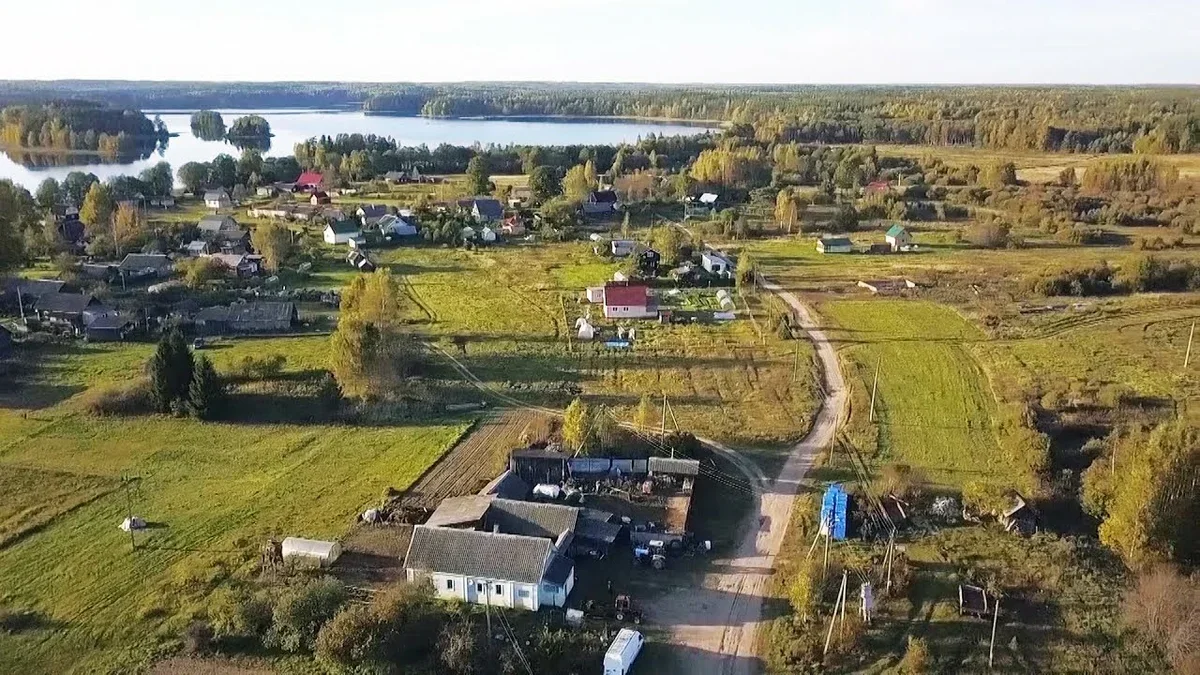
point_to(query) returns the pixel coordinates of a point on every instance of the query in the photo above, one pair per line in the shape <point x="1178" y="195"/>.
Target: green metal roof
<point x="896" y="230"/>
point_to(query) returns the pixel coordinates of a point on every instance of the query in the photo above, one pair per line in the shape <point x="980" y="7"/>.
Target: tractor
<point x="622" y="610"/>
<point x="653" y="552"/>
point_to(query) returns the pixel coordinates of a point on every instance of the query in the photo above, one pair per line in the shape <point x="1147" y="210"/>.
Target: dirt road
<point x="714" y="628"/>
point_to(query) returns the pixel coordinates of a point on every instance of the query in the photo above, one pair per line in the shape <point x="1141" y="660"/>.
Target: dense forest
<point x="359" y="157"/>
<point x="1150" y="120"/>
<point x="78" y="126"/>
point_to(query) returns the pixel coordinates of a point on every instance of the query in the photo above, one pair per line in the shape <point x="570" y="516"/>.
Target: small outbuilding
<point x="716" y="264"/>
<point x="898" y="237"/>
<point x="835" y="245"/>
<point x="322" y="553"/>
<point x="217" y="199"/>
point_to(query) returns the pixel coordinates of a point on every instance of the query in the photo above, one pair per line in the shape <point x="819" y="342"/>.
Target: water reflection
<point x="34" y="160"/>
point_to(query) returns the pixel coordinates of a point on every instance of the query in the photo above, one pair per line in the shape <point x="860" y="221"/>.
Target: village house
<point x="110" y="327"/>
<point x="342" y="232"/>
<point x="137" y="266"/>
<point x="370" y="214"/>
<point x="716" y="264"/>
<point x="217" y="199"/>
<point x="222" y="229"/>
<point x="267" y="191"/>
<point x="249" y="317"/>
<point x="483" y="210"/>
<point x="622" y="247"/>
<point x="309" y="180"/>
<point x="835" y="245"/>
<point x="624" y="300"/>
<point x="164" y="202"/>
<point x="240" y="264"/>
<point x="514" y="226"/>
<point x="73" y="310"/>
<point x="879" y="187"/>
<point x="393" y="226"/>
<point x="198" y="248"/>
<point x="396" y="177"/>
<point x="318" y="198"/>
<point x="487" y="568"/>
<point x="898" y="237"/>
<point x="16" y="292"/>
<point x="600" y="203"/>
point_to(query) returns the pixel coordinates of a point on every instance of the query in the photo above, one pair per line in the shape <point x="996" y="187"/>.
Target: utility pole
<point x="995" y="620"/>
<point x="891" y="555"/>
<point x="21" y="305"/>
<point x="662" y="431"/>
<point x="796" y="363"/>
<point x="874" y="388"/>
<point x="842" y="621"/>
<point x="1187" y="358"/>
<point x="833" y="617"/>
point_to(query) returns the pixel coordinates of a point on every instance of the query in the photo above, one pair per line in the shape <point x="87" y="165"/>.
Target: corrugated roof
<point x="530" y="519"/>
<point x="489" y="208"/>
<point x="506" y="557"/>
<point x="620" y="295"/>
<point x="31" y="289"/>
<point x="598" y="530"/>
<point x="110" y="321"/>
<point x="373" y="210"/>
<point x="145" y="261"/>
<point x="65" y="303"/>
<point x="344" y="227"/>
<point x="836" y="241"/>
<point x="309" y="178"/>
<point x="677" y="467"/>
<point x="460" y="511"/>
<point x="507" y="485"/>
<point x="896" y="230"/>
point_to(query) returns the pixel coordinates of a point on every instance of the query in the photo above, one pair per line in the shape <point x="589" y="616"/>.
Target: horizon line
<point x="644" y="83"/>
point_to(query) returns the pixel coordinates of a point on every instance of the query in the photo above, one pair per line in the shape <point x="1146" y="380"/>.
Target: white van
<point x="622" y="652"/>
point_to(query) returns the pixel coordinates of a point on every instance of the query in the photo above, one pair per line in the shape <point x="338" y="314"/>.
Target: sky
<point x="662" y="41"/>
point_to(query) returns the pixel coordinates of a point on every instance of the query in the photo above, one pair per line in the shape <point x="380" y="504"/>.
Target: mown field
<point x="213" y="493"/>
<point x="934" y="409"/>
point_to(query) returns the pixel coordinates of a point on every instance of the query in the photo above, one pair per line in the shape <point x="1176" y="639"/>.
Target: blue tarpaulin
<point x="833" y="511"/>
<point x="617" y="344"/>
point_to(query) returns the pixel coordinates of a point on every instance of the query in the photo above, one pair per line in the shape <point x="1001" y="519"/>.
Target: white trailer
<point x="622" y="652"/>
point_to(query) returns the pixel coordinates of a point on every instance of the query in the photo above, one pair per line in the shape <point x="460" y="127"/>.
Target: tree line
<point x="78" y="126"/>
<point x="1150" y="120"/>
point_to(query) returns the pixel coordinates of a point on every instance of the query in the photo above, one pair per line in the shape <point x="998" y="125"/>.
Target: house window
<point x="499" y="589"/>
<point x="523" y="593"/>
<point x="549" y="588"/>
<point x="449" y="584"/>
<point x="478" y="588"/>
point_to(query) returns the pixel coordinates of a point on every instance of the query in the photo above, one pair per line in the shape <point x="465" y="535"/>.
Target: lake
<point x="292" y="126"/>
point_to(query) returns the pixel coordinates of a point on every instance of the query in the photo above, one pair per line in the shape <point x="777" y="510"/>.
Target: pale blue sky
<point x="711" y="41"/>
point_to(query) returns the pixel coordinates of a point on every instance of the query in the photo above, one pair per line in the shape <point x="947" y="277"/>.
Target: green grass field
<point x="934" y="408"/>
<point x="516" y="308"/>
<point x="213" y="492"/>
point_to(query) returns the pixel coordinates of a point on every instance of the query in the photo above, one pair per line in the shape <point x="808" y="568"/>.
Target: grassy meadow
<point x="513" y="311"/>
<point x="213" y="493"/>
<point x="934" y="409"/>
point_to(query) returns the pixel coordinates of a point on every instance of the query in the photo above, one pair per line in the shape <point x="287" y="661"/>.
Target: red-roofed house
<point x="308" y="180"/>
<point x="627" y="301"/>
<point x="879" y="187"/>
